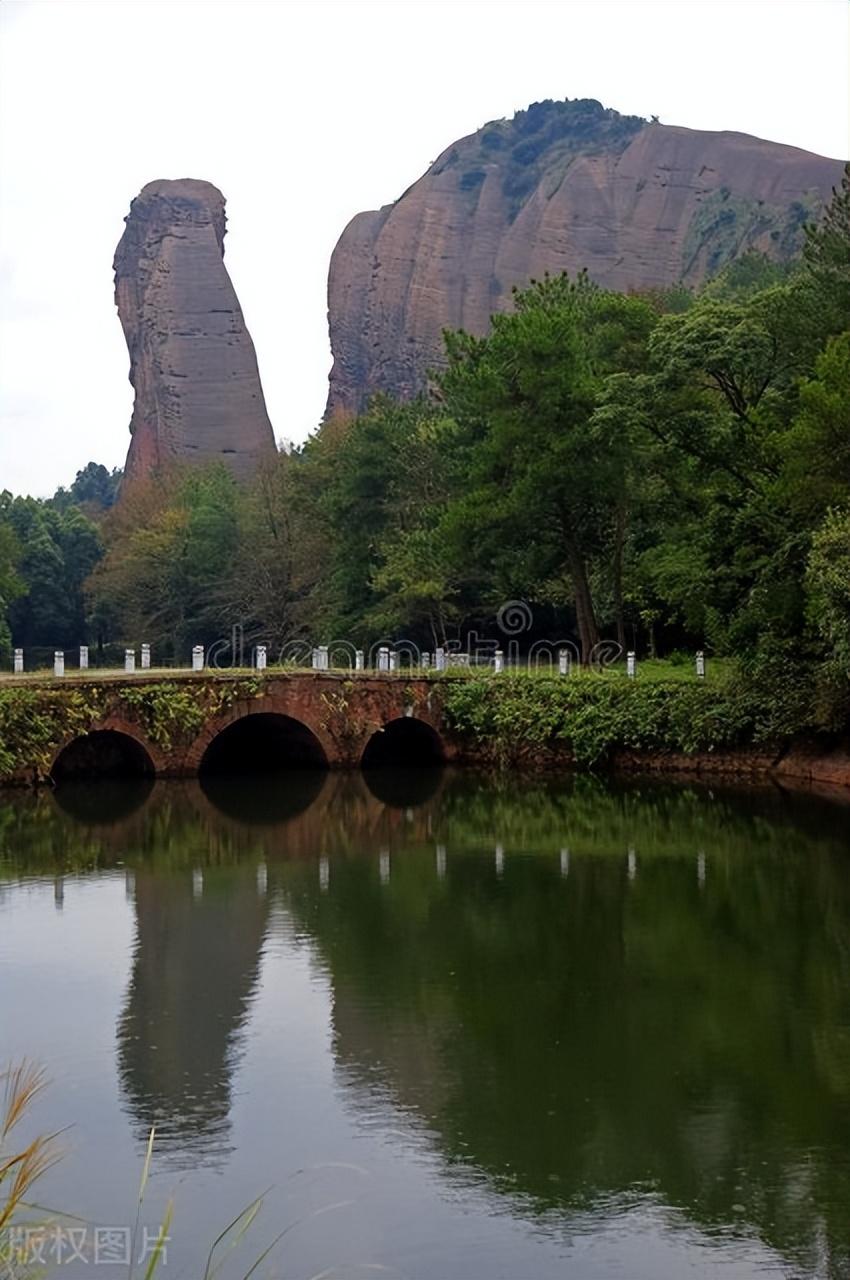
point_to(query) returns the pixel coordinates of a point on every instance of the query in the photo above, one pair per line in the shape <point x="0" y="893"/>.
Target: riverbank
<point x="729" y="726"/>
<point x="823" y="766"/>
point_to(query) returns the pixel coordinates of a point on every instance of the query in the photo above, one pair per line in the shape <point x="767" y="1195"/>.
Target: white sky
<point x="304" y="113"/>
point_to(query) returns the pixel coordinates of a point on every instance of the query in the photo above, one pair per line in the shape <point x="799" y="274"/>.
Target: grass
<point x="21" y="1166"/>
<point x="649" y="670"/>
<point x="223" y="1245"/>
<point x="716" y="669"/>
<point x="678" y="667"/>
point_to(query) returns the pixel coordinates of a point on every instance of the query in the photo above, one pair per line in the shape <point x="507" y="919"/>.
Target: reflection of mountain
<point x="198" y="947"/>
<point x="565" y="1030"/>
<point x="576" y="1036"/>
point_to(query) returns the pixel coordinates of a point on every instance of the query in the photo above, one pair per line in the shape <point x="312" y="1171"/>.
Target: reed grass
<point x="223" y="1245"/>
<point x="21" y="1166"/>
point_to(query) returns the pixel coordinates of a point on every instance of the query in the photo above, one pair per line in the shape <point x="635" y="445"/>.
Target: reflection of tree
<point x="581" y="1036"/>
<point x="177" y="825"/>
<point x="194" y="970"/>
<point x="570" y="1037"/>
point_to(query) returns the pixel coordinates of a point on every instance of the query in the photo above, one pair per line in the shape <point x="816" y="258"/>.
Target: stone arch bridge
<point x="206" y="723"/>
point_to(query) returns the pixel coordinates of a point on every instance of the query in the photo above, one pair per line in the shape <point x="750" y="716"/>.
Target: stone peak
<point x="187" y="188"/>
<point x="192" y="362"/>
<point x="163" y="204"/>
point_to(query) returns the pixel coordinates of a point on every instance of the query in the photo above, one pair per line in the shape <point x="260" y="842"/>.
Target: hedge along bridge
<point x="203" y="723"/>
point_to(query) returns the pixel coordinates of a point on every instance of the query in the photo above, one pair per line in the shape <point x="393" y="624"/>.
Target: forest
<point x="668" y="470"/>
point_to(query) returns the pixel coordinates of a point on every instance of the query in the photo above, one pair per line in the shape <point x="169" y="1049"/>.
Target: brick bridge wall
<point x="343" y="712"/>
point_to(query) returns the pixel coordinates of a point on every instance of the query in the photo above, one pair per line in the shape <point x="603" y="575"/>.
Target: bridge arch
<point x="405" y="742"/>
<point x="266" y="741"/>
<point x="105" y="752"/>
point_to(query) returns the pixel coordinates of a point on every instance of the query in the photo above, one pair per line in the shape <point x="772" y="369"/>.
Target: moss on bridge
<point x="174" y="718"/>
<point x="38" y="719"/>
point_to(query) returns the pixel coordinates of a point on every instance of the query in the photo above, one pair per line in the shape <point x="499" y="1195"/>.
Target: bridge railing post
<point x="498" y="661"/>
<point x="58" y="662"/>
<point x="18" y="661"/>
<point x="198" y="657"/>
<point x="129" y="661"/>
<point x="358" y="660"/>
<point x="84" y="657"/>
<point x="261" y="657"/>
<point x="383" y="658"/>
<point x="146" y="657"/>
<point x="440" y="659"/>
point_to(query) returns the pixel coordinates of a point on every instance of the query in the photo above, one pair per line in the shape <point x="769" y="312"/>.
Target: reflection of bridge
<point x="319" y="720"/>
<point x="498" y="1009"/>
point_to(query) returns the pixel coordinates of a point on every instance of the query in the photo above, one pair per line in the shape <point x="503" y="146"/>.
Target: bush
<point x="593" y="717"/>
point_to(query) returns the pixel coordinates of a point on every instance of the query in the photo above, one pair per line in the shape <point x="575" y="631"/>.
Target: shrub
<point x="593" y="717"/>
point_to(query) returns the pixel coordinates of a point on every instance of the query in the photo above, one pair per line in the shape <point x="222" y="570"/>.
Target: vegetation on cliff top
<point x="546" y="136"/>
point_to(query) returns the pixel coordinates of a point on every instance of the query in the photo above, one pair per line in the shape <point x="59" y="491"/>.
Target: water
<point x="450" y="1027"/>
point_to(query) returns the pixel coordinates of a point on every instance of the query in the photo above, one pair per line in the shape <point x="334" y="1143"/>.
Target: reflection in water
<point x="577" y="1028"/>
<point x="585" y="996"/>
<point x="264" y="801"/>
<point x="582" y="1038"/>
<point x="404" y="788"/>
<point x="104" y="802"/>
<point x="195" y="965"/>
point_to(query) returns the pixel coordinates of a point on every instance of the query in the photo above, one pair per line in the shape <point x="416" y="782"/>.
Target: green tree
<point x="828" y="586"/>
<point x="172" y="546"/>
<point x="11" y="587"/>
<point x="547" y="482"/>
<point x="388" y="475"/>
<point x="273" y="588"/>
<point x="95" y="489"/>
<point x="816" y="451"/>
<point x="58" y="551"/>
<point x="717" y="548"/>
<point x="826" y="255"/>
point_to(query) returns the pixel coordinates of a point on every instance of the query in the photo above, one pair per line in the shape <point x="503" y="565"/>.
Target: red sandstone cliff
<point x="560" y="187"/>
<point x="192" y="361"/>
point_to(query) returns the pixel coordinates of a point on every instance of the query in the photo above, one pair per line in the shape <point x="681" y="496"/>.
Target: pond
<point x="445" y="1025"/>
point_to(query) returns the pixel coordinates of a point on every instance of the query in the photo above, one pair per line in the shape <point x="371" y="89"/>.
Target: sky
<point x="305" y="112"/>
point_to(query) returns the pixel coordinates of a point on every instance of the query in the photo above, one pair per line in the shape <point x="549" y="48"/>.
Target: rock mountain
<point x="192" y="361"/>
<point x="561" y="186"/>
